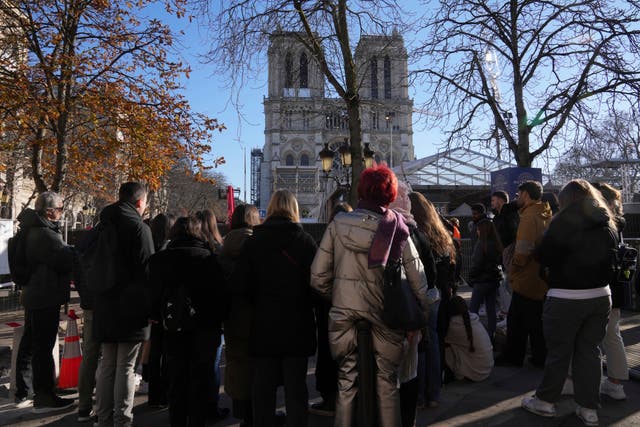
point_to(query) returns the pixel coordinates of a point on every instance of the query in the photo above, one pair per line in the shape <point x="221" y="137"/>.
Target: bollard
<point x="366" y="399"/>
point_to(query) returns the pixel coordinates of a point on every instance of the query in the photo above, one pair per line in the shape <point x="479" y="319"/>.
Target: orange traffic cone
<point x="71" y="356"/>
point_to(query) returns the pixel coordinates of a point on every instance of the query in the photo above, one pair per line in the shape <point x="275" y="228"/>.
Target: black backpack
<point x="625" y="260"/>
<point x="17" y="252"/>
<point x="177" y="311"/>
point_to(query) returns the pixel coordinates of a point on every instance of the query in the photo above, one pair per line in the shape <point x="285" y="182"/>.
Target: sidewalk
<point x="493" y="402"/>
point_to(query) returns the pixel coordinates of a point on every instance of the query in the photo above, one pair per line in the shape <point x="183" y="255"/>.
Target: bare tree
<point x="185" y="191"/>
<point x="609" y="153"/>
<point x="548" y="64"/>
<point x="240" y="32"/>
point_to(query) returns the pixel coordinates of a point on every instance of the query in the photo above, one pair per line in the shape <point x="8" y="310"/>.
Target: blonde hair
<point x="283" y="203"/>
<point x="612" y="196"/>
<point x="578" y="189"/>
<point x="251" y="216"/>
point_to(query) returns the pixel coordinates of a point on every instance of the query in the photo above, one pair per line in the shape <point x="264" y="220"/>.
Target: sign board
<point x="6" y="232"/>
<point x="263" y="213"/>
<point x="510" y="178"/>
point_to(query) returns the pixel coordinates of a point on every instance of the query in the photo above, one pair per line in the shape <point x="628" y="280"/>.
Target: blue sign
<point x="263" y="213"/>
<point x="510" y="178"/>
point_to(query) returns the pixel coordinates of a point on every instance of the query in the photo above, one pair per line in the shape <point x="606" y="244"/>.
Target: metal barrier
<point x="632" y="293"/>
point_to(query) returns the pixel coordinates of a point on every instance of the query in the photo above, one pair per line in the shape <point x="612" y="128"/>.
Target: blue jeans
<point x="216" y="371"/>
<point x="429" y="370"/>
<point x="485" y="292"/>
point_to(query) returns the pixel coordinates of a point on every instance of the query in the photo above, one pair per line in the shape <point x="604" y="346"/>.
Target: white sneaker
<point x="539" y="407"/>
<point x="588" y="416"/>
<point x="614" y="391"/>
<point x="567" y="388"/>
<point x="137" y="381"/>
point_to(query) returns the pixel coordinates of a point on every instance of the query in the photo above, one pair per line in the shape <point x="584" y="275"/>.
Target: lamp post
<point x="389" y="119"/>
<point x="342" y="178"/>
<point x="368" y="154"/>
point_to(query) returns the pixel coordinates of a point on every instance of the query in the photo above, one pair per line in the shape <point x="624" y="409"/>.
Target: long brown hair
<point x="487" y="233"/>
<point x="430" y="223"/>
<point x="210" y="227"/>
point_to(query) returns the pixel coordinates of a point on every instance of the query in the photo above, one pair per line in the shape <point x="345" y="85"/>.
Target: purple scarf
<point x="390" y="238"/>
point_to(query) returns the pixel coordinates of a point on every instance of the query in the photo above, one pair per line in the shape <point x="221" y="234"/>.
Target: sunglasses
<point x="58" y="209"/>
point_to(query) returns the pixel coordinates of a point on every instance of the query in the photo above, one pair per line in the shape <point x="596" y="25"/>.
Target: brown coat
<point x="524" y="272"/>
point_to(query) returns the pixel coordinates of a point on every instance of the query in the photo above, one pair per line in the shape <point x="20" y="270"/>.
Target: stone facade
<point x="300" y="117"/>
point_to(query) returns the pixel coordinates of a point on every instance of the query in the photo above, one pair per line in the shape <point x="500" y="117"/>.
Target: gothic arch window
<point x="304" y="70"/>
<point x="288" y="160"/>
<point x="288" y="71"/>
<point x="387" y="77"/>
<point x="304" y="160"/>
<point x="374" y="78"/>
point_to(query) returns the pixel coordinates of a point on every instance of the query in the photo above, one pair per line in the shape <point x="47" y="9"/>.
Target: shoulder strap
<point x="290" y="258"/>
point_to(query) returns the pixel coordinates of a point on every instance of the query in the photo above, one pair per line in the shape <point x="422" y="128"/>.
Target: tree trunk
<point x="36" y="162"/>
<point x="355" y="134"/>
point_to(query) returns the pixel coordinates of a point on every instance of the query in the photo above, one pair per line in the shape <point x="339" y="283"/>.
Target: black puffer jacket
<point x="274" y="272"/>
<point x="577" y="247"/>
<point x="191" y="263"/>
<point x="422" y="244"/>
<point x="485" y="262"/>
<point x="121" y="313"/>
<point x="50" y="260"/>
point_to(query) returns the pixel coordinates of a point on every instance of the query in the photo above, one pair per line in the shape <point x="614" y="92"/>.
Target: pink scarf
<point x="390" y="238"/>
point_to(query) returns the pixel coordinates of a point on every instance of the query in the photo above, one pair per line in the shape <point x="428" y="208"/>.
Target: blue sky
<point x="208" y="94"/>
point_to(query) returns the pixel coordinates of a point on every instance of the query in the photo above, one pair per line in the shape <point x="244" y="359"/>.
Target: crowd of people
<point x="168" y="294"/>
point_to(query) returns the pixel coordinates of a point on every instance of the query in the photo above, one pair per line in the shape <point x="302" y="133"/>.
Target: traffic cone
<point x="71" y="356"/>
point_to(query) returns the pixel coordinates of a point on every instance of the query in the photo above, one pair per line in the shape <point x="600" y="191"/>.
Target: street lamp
<point x="326" y="156"/>
<point x="368" y="154"/>
<point x="389" y="119"/>
<point x="345" y="153"/>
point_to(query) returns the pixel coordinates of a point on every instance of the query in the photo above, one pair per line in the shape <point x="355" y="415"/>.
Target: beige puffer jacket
<point x="340" y="272"/>
<point x="340" y="269"/>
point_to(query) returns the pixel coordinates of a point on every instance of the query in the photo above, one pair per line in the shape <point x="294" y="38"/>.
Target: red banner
<point x="230" y="202"/>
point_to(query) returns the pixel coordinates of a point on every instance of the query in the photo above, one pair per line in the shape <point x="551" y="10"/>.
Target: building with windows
<point x="300" y="116"/>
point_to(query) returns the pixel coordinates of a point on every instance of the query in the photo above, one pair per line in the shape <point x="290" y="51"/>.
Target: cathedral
<point x="301" y="116"/>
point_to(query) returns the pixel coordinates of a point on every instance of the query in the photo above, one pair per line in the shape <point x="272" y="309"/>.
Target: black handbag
<point x="401" y="308"/>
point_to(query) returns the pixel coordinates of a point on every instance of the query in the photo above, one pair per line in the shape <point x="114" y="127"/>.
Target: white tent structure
<point x="458" y="167"/>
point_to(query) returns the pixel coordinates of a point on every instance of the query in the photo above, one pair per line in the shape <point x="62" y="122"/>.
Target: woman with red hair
<point x="348" y="269"/>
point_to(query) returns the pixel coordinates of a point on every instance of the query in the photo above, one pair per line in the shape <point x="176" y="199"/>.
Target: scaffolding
<point x="256" y="166"/>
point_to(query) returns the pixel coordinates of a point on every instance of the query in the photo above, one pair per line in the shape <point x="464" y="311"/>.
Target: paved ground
<point x="494" y="402"/>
